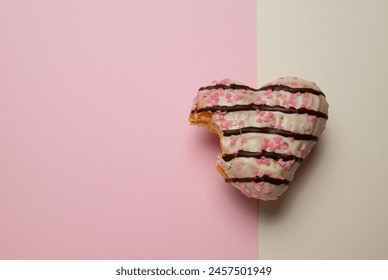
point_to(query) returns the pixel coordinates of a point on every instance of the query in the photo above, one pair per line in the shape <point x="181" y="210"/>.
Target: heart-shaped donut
<point x="264" y="133"/>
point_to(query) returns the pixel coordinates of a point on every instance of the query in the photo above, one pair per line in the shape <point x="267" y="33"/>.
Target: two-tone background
<point x="97" y="160"/>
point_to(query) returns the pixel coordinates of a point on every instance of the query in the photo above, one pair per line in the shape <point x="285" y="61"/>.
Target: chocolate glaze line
<point x="271" y="87"/>
<point x="272" y="155"/>
<point x="268" y="130"/>
<point x="258" y="179"/>
<point x="252" y="107"/>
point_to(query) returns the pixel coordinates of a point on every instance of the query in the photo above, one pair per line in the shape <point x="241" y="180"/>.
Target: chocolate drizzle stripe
<point x="268" y="130"/>
<point x="258" y="179"/>
<point x="252" y="107"/>
<point x="271" y="87"/>
<point x="272" y="155"/>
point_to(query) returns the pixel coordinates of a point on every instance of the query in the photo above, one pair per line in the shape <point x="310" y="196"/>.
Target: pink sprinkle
<point x="224" y="81"/>
<point x="258" y="98"/>
<point x="257" y="112"/>
<point x="260" y="173"/>
<point x="311" y="118"/>
<point x="266" y="118"/>
<point x="263" y="146"/>
<point x="273" y="148"/>
<point x="307" y="126"/>
<point x="226" y="124"/>
<point x="279" y="126"/>
<point x="241" y="122"/>
<point x="298" y="154"/>
<point x="277" y="139"/>
<point x="281" y="162"/>
<point x="271" y="114"/>
<point x="238" y="166"/>
<point x="258" y="188"/>
<point x="288" y="152"/>
<point x="268" y="172"/>
<point x="259" y="120"/>
<point x="258" y="161"/>
<point x="232" y="143"/>
<point x="256" y="184"/>
<point x="221" y="117"/>
<point x="234" y="138"/>
<point x="265" y="160"/>
<point x="238" y="97"/>
<point x="228" y="95"/>
<point x="266" y="140"/>
<point x="244" y="139"/>
<point x="289" y="164"/>
<point x="268" y="92"/>
<point x="284" y="145"/>
<point x="268" y="190"/>
<point x="272" y="123"/>
<point x="261" y="113"/>
<point x="303" y="147"/>
<point x="229" y="100"/>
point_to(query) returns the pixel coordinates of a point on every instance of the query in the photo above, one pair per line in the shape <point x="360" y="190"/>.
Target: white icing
<point x="299" y="123"/>
<point x="248" y="167"/>
<point x="244" y="97"/>
<point x="255" y="140"/>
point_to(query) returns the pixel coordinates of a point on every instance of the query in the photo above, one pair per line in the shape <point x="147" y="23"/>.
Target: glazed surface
<point x="264" y="133"/>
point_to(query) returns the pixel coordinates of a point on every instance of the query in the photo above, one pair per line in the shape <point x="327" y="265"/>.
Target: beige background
<point x="337" y="206"/>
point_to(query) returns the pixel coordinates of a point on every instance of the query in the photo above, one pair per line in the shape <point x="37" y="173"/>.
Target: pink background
<point x="97" y="159"/>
